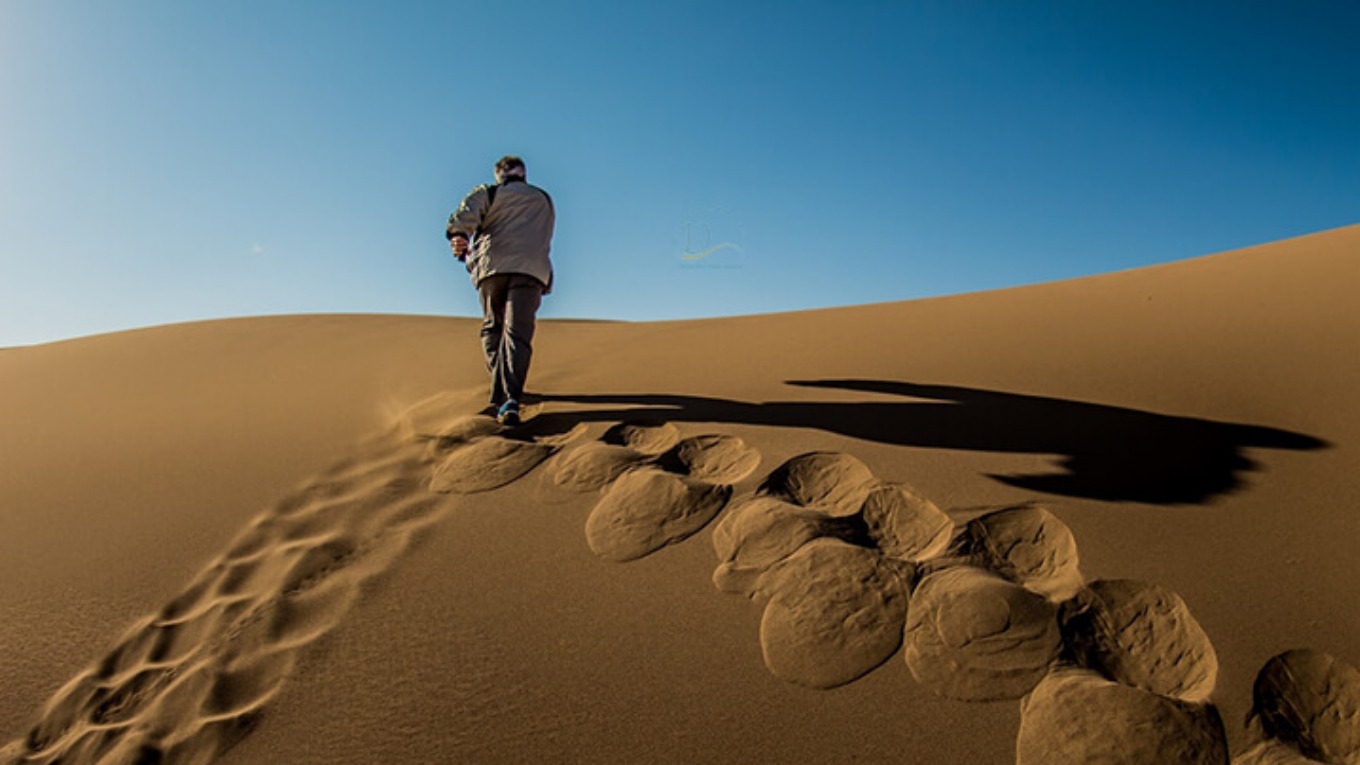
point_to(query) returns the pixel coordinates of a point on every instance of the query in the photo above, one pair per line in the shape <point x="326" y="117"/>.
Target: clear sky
<point x="171" y="160"/>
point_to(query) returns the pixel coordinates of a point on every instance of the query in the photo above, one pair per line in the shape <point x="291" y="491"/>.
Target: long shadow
<point x="1105" y="452"/>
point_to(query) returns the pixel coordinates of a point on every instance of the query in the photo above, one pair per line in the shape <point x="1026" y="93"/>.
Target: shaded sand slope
<point x="1193" y="424"/>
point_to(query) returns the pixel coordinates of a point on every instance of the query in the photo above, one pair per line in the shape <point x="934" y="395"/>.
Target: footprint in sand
<point x="650" y="437"/>
<point x="475" y="453"/>
<point x="835" y="483"/>
<point x="983" y="622"/>
<point x="834" y="612"/>
<point x="903" y="524"/>
<point x="760" y="532"/>
<point x="487" y="463"/>
<point x="975" y="636"/>
<point x="645" y="510"/>
<point x="1077" y="717"/>
<point x="1142" y="635"/>
<point x="834" y="554"/>
<point x="1305" y="709"/>
<point x="1027" y="545"/>
<point x="187" y="682"/>
<point x="823" y="494"/>
<point x="658" y="488"/>
<point x="594" y="465"/>
<point x="1134" y="682"/>
<point x="851" y="568"/>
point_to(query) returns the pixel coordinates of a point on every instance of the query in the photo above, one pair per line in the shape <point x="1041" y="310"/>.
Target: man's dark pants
<point x="509" y="305"/>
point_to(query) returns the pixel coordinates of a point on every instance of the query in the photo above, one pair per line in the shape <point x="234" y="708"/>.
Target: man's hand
<point x="460" y="246"/>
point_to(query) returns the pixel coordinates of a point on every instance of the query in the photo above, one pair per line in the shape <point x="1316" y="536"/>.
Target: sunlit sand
<point x="1111" y="519"/>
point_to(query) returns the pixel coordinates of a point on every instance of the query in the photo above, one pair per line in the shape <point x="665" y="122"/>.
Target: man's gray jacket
<point x="515" y="231"/>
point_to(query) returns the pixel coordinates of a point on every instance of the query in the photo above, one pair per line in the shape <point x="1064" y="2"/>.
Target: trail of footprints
<point x="187" y="682"/>
<point x="849" y="569"/>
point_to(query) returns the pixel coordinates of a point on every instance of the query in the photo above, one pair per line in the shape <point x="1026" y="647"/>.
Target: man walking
<point x="503" y="233"/>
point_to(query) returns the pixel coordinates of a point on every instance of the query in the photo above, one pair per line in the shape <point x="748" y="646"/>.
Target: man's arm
<point x="459" y="243"/>
<point x="465" y="220"/>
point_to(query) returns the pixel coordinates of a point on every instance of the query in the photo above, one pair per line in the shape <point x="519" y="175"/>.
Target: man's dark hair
<point x="510" y="165"/>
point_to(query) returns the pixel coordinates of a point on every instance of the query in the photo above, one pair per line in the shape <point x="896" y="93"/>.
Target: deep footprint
<point x="645" y="510"/>
<point x="1306" y="703"/>
<point x="487" y="463"/>
<point x="830" y="481"/>
<point x="835" y="612"/>
<point x="1028" y="545"/>
<point x="1076" y="717"/>
<point x="594" y="465"/>
<point x="804" y="499"/>
<point x="905" y="525"/>
<point x="762" y="531"/>
<point x="713" y="457"/>
<point x="650" y="438"/>
<point x="974" y="636"/>
<point x="1142" y="635"/>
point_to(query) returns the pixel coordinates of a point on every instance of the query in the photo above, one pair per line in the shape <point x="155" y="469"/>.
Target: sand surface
<point x="249" y="541"/>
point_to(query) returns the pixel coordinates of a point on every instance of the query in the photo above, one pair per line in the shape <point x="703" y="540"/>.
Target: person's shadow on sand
<point x="1106" y="452"/>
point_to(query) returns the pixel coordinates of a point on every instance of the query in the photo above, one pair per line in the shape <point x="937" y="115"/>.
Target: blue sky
<point x="167" y="160"/>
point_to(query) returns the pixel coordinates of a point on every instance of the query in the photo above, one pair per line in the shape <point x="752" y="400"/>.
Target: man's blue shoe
<point x="509" y="413"/>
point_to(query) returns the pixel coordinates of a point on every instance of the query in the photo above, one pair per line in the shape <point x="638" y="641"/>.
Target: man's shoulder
<point x="524" y="188"/>
<point x="483" y="190"/>
<point x="542" y="191"/>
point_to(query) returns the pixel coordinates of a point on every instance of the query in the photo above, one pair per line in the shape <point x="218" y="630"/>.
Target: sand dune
<point x="967" y="529"/>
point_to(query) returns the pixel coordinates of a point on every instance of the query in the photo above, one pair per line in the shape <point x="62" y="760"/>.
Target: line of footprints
<point x="849" y="570"/>
<point x="187" y="682"/>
